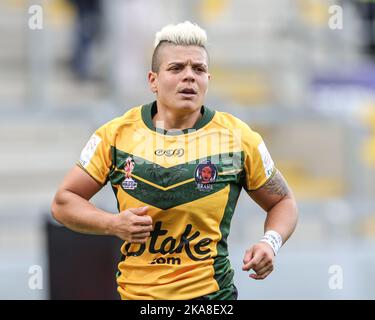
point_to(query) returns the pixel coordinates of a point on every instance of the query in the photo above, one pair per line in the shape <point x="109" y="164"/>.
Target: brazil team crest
<point x="205" y="175"/>
<point x="129" y="183"/>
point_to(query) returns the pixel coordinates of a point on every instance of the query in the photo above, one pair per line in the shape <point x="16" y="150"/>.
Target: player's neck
<point x="167" y="119"/>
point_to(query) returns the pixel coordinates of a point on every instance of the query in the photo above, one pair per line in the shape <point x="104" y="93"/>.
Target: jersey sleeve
<point x="258" y="164"/>
<point x="96" y="157"/>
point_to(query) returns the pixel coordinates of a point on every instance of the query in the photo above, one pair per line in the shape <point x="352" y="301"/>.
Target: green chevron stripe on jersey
<point x="173" y="197"/>
<point x="166" y="188"/>
<point x="167" y="177"/>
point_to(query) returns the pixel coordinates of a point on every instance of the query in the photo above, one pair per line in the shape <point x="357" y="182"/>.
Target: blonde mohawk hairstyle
<point x="184" y="34"/>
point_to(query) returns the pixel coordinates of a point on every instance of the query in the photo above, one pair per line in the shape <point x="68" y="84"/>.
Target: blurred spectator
<point x="88" y="27"/>
<point x="367" y="12"/>
<point x="130" y="33"/>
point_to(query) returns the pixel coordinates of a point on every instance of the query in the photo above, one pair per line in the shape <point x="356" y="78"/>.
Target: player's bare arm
<point x="277" y="199"/>
<point x="72" y="208"/>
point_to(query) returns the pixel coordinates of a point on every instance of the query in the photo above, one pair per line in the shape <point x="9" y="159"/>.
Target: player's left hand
<point x="259" y="258"/>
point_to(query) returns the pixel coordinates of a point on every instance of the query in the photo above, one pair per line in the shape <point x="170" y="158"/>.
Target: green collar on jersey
<point x="149" y="110"/>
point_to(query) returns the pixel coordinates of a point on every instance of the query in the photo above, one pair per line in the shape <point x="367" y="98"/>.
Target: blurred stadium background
<point x="279" y="65"/>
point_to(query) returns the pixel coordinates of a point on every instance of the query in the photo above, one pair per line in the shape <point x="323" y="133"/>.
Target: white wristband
<point x="274" y="239"/>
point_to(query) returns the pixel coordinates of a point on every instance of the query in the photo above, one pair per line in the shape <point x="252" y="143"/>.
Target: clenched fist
<point x="132" y="225"/>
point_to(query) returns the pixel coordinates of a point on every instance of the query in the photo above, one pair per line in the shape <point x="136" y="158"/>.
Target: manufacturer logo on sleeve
<point x="268" y="164"/>
<point x="129" y="183"/>
<point x="89" y="150"/>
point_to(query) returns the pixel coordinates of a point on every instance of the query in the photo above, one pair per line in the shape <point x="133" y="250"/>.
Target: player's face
<point x="206" y="173"/>
<point x="182" y="80"/>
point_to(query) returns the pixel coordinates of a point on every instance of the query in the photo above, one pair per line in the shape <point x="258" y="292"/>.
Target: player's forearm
<point x="78" y="214"/>
<point x="282" y="217"/>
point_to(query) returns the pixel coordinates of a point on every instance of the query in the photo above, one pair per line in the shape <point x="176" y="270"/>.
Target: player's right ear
<point x="152" y="81"/>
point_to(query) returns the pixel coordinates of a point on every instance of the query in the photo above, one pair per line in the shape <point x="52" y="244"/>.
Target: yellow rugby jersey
<point x="191" y="181"/>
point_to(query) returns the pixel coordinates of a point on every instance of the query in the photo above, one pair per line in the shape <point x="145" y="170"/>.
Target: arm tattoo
<point x="277" y="185"/>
